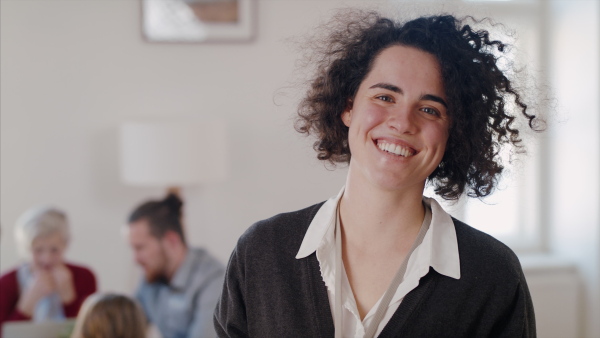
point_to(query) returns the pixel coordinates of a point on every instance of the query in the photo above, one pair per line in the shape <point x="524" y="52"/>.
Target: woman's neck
<point x="370" y="214"/>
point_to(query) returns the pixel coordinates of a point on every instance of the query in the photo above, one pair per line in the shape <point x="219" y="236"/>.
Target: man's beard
<point x="157" y="277"/>
<point x="158" y="274"/>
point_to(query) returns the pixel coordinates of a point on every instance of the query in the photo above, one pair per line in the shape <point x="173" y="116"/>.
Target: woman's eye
<point x="430" y="111"/>
<point x="385" y="98"/>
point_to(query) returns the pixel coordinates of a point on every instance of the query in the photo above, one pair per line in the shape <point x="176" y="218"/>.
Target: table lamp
<point x="173" y="154"/>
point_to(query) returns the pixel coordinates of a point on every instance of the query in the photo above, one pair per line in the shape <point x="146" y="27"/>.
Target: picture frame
<point x="198" y="21"/>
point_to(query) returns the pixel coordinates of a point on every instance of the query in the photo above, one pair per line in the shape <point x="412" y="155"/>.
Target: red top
<point x="84" y="283"/>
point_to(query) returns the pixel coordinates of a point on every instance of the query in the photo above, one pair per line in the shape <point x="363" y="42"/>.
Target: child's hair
<point x="110" y="315"/>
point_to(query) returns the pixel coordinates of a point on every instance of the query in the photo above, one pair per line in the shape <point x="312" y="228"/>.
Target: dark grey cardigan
<point x="269" y="293"/>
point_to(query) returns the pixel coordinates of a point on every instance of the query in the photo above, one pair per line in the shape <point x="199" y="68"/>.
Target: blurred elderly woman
<point x="44" y="287"/>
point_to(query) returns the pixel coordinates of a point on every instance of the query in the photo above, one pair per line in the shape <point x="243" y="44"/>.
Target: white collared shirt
<point x="438" y="250"/>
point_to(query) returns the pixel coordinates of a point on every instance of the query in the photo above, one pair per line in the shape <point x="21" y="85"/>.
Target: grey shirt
<point x="184" y="308"/>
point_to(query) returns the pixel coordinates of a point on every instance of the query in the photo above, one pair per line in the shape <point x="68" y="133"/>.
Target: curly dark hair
<point x="477" y="91"/>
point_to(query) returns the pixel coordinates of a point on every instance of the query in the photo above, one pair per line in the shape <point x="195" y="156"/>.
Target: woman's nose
<point x="44" y="259"/>
<point x="403" y="121"/>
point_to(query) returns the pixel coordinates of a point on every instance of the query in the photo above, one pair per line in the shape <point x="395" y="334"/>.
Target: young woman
<point x="405" y="105"/>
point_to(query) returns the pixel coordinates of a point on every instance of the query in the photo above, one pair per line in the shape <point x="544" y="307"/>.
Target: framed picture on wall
<point x="197" y="20"/>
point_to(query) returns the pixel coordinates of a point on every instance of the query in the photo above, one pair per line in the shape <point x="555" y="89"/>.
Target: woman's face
<point x="48" y="251"/>
<point x="398" y="124"/>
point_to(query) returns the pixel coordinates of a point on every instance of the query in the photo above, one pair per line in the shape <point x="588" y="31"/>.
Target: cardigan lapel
<point x="320" y="300"/>
<point x="409" y="304"/>
<point x="322" y="312"/>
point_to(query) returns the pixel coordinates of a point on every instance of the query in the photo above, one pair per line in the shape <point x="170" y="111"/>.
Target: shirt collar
<point x="439" y="246"/>
<point x="323" y="220"/>
<point x="442" y="242"/>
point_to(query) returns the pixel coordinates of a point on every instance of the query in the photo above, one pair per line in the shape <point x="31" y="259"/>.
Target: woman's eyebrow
<point x="435" y="98"/>
<point x="387" y="86"/>
<point x="396" y="89"/>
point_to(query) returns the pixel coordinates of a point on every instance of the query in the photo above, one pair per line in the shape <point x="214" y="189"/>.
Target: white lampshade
<point x="173" y="153"/>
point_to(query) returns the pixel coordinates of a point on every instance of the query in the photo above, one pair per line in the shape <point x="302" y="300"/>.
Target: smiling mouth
<point x="395" y="149"/>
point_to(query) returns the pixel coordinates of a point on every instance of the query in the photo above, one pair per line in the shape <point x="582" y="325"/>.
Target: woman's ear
<point x="347" y="114"/>
<point x="347" y="117"/>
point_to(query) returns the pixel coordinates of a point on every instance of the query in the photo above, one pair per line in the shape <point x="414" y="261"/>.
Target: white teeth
<point x="394" y="149"/>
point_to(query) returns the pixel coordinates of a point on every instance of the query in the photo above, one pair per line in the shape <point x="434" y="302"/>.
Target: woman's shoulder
<point x="9" y="277"/>
<point x="481" y="252"/>
<point x="287" y="228"/>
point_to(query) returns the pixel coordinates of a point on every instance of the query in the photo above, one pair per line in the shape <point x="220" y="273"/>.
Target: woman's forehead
<point x="51" y="238"/>
<point x="407" y="68"/>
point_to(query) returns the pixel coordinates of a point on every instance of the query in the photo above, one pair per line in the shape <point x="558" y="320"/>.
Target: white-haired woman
<point x="44" y="287"/>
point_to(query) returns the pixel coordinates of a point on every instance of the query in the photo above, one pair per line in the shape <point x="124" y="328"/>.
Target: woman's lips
<point x="396" y="149"/>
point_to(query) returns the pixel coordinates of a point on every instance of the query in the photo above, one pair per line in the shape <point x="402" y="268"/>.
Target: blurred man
<point x="181" y="285"/>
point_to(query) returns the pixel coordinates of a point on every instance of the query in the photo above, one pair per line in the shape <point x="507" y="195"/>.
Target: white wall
<point x="574" y="147"/>
<point x="71" y="71"/>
